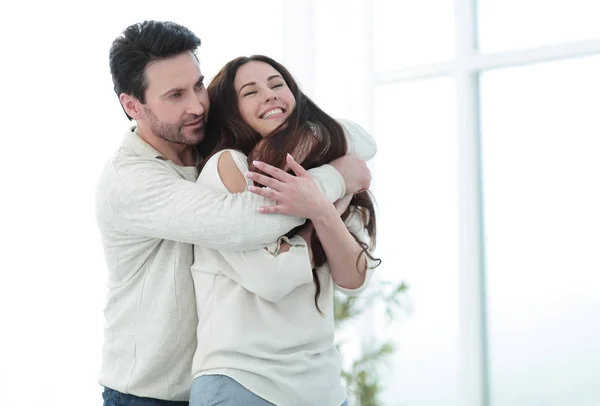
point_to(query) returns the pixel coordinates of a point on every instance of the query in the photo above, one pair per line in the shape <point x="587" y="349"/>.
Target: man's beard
<point x="173" y="132"/>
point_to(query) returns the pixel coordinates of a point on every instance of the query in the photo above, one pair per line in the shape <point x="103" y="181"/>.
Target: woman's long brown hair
<point x="308" y="134"/>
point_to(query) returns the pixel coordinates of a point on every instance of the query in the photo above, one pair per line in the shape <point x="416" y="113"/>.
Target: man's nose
<point x="195" y="106"/>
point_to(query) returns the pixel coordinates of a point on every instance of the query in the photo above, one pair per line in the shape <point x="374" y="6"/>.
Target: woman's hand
<point x="294" y="195"/>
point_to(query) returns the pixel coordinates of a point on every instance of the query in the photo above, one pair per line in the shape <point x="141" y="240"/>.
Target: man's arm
<point x="144" y="197"/>
<point x="360" y="142"/>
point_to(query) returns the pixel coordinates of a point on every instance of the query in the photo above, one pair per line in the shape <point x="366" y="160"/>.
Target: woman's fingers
<point x="295" y="166"/>
<point x="273" y="171"/>
<point x="265" y="180"/>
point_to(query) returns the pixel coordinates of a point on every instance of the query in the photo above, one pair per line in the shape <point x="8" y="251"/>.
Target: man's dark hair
<point x="140" y="44"/>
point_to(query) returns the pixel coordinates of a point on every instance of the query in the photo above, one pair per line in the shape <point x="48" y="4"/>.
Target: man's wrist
<point x="330" y="181"/>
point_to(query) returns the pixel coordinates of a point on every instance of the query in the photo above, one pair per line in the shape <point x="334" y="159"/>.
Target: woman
<point x="266" y="328"/>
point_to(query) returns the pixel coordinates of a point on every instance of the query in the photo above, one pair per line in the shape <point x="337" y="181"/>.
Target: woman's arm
<point x="274" y="271"/>
<point x="355" y="223"/>
<point x="270" y="275"/>
<point x="230" y="173"/>
<point x="345" y="256"/>
<point x="346" y="259"/>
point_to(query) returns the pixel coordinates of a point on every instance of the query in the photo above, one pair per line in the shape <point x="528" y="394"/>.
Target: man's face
<point x="177" y="104"/>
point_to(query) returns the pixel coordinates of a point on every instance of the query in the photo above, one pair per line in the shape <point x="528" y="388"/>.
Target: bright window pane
<point x="514" y="24"/>
<point x="415" y="184"/>
<point x="541" y="143"/>
<point x="412" y="32"/>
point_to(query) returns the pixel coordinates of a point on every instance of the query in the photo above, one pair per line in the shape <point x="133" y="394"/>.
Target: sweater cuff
<point x="330" y="181"/>
<point x="295" y="241"/>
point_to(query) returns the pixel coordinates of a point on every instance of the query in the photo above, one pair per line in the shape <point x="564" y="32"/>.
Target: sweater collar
<point x="133" y="142"/>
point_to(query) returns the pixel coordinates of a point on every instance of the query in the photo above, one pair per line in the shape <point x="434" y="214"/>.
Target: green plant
<point x="362" y="377"/>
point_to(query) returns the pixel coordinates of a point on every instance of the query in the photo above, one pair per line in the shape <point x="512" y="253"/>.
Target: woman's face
<point x="264" y="99"/>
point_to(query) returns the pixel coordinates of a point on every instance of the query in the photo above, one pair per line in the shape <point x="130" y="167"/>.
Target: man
<point x="150" y="211"/>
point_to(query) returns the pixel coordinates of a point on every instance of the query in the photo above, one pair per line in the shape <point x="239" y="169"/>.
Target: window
<point x="541" y="144"/>
<point x="516" y="24"/>
<point x="486" y="118"/>
<point x="415" y="185"/>
<point x="412" y="32"/>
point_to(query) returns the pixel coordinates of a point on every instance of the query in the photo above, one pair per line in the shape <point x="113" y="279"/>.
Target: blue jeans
<point x="115" y="398"/>
<point x="221" y="390"/>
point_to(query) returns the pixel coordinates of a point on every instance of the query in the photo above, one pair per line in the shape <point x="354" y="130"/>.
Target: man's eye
<point x="176" y="95"/>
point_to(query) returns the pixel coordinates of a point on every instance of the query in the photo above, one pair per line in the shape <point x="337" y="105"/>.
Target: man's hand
<point x="297" y="196"/>
<point x="355" y="172"/>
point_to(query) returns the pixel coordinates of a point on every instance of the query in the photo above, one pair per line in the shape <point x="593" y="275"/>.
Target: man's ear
<point x="131" y="105"/>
